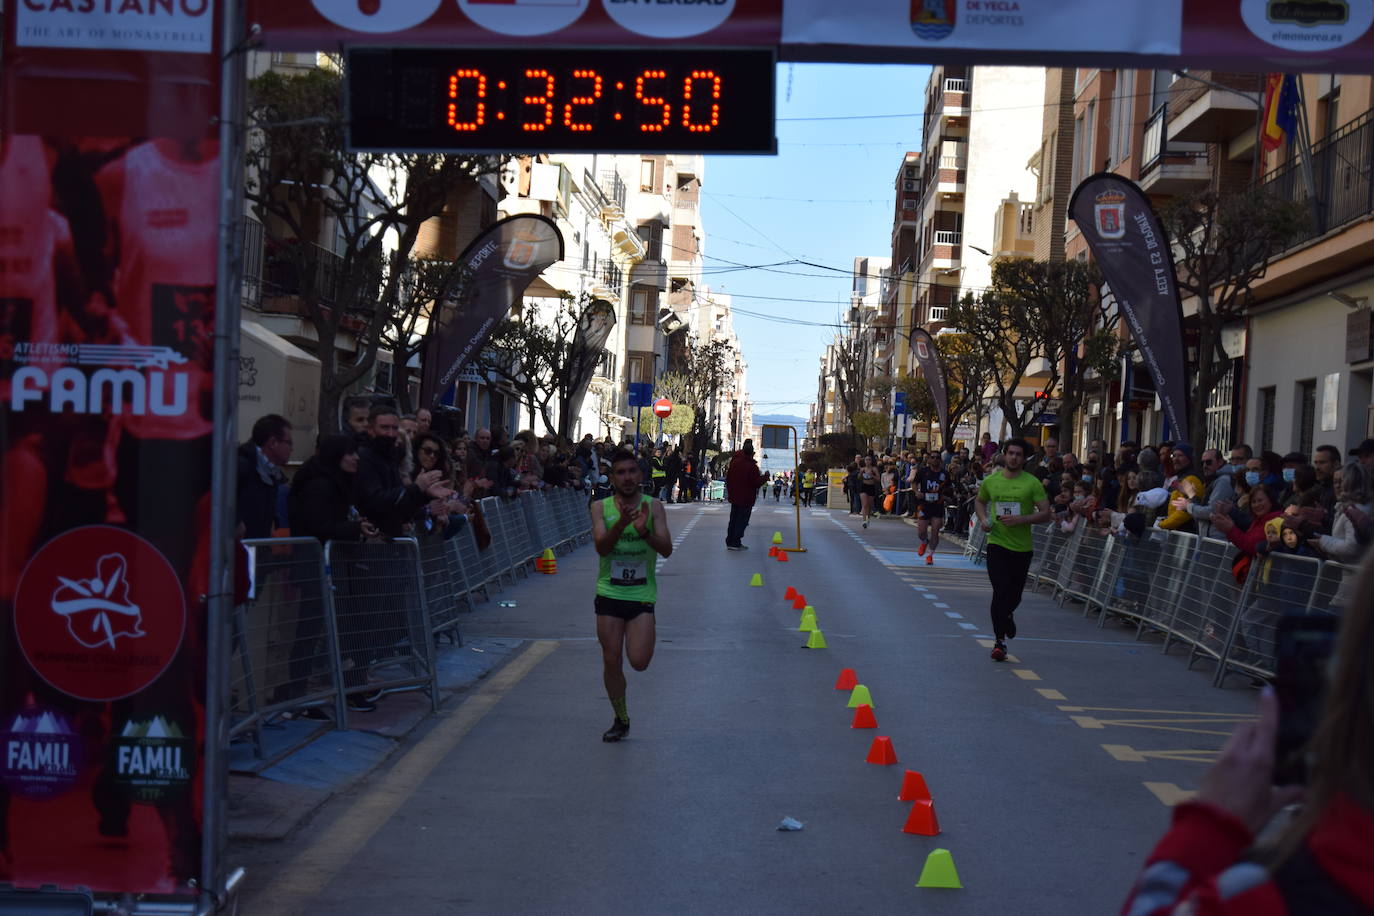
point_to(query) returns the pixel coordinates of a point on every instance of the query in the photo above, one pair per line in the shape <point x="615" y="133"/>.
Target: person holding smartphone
<point x="1322" y="861"/>
<point x="1009" y="502"/>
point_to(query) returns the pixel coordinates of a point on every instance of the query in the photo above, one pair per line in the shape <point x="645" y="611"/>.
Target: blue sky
<point x="827" y="197"/>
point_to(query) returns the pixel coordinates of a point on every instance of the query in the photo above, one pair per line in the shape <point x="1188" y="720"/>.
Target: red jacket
<point x="1251" y="538"/>
<point x="1196" y="867"/>
<point x="742" y="480"/>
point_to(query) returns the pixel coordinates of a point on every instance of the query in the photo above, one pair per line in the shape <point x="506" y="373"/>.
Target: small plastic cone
<point x="799" y="602"/>
<point x="777" y="537"/>
<point x="551" y="567"/>
<point x="816" y="640"/>
<point x="539" y="564"/>
<point x="773" y="551"/>
<point x="808" y="624"/>
<point x="913" y="787"/>
<point x="922" y="820"/>
<point x="757" y="581"/>
<point x="848" y="680"/>
<point x="782" y="557"/>
<point x="939" y="871"/>
<point x="859" y="697"/>
<point x="548" y="555"/>
<point x="789" y="594"/>
<point x="881" y="752"/>
<point x="864" y="718"/>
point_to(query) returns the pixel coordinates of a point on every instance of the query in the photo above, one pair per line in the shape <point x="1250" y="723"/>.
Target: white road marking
<point x="941" y="604"/>
<point x="968" y="626"/>
<point x="952" y="615"/>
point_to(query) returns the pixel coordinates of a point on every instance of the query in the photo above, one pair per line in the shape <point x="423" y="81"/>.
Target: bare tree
<point x="339" y="227"/>
<point x="1039" y="310"/>
<point x="423" y="285"/>
<point x="1223" y="244"/>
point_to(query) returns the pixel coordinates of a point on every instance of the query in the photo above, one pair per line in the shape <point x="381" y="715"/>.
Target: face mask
<point x="1252" y="477"/>
<point x="1288" y="474"/>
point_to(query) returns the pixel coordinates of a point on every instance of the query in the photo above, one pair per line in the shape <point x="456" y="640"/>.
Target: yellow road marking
<point x="1025" y="674"/>
<point x="1229" y="716"/>
<point x="1168" y="793"/>
<point x="988" y="644"/>
<point x="1049" y="694"/>
<point x="307" y="875"/>
<point x="1127" y="754"/>
<point x="1093" y="722"/>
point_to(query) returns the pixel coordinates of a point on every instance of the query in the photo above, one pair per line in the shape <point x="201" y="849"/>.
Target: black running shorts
<point x="625" y="610"/>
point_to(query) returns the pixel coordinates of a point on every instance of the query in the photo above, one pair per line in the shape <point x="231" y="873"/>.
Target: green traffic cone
<point x="816" y="640"/>
<point x="777" y="537"/>
<point x="757" y="580"/>
<point x="939" y="871"/>
<point x="859" y="697"/>
<point x="808" y="621"/>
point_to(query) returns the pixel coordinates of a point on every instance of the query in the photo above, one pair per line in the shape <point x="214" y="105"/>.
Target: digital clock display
<point x="561" y="100"/>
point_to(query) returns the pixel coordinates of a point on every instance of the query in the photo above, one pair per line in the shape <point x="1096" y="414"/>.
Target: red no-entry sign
<point x="663" y="408"/>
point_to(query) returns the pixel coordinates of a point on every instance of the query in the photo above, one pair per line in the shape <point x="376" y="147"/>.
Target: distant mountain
<point x="781" y="419"/>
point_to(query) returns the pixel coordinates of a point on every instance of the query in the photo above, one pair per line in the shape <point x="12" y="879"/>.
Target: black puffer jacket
<point x="322" y="495"/>
<point x="380" y="494"/>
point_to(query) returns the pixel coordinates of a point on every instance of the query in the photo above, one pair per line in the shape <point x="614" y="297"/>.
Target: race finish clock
<point x="561" y="100"/>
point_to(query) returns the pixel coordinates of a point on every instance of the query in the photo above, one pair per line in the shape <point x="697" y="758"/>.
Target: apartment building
<point x="980" y="128"/>
<point x="1297" y="371"/>
<point x="632" y="237"/>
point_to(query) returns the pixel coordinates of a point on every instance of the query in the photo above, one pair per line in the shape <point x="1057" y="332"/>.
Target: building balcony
<point x="947" y="237"/>
<point x="1215" y="116"/>
<point x="937" y="314"/>
<point x="613" y="195"/>
<point x="1343" y="175"/>
<point x="1171" y="166"/>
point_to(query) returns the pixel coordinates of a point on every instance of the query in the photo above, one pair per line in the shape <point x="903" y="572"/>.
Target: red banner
<point x="1255" y="35"/>
<point x="321" y="24"/>
<point x="109" y="217"/>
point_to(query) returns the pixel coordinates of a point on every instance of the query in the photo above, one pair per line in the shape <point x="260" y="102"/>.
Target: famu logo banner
<point x="153" y="759"/>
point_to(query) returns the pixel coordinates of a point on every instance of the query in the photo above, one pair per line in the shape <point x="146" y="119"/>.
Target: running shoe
<point x="999" y="654"/>
<point x="865" y="523"/>
<point x="921" y="551"/>
<point x="617" y="731"/>
<point x="930" y="560"/>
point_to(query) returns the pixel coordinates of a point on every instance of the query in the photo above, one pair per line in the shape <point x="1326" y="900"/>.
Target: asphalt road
<point x="1051" y="774"/>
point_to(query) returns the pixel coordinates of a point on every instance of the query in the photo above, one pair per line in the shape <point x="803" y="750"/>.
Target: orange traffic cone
<point x="848" y="680"/>
<point x="922" y="820"/>
<point x="799" y="602"/>
<point x="789" y="594"/>
<point x="863" y="718"/>
<point x="880" y="751"/>
<point x="913" y="788"/>
<point x="782" y="556"/>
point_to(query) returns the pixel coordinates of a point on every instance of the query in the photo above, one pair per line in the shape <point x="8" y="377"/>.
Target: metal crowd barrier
<point x="380" y="605"/>
<point x="346" y="618"/>
<point x="284" y="641"/>
<point x="976" y="545"/>
<point x="1183" y="586"/>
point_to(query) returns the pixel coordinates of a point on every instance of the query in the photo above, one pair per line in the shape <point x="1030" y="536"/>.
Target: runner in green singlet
<point x="628" y="528"/>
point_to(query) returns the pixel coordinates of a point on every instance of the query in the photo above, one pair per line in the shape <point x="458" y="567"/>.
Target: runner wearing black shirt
<point x="929" y="486"/>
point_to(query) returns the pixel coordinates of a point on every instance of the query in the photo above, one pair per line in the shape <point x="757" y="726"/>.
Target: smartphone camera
<point x="1304" y="648"/>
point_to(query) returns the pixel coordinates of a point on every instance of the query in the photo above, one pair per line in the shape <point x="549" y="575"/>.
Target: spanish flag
<point x="1280" y="110"/>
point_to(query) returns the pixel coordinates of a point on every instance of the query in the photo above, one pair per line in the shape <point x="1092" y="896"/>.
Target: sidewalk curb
<point x="273" y="804"/>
